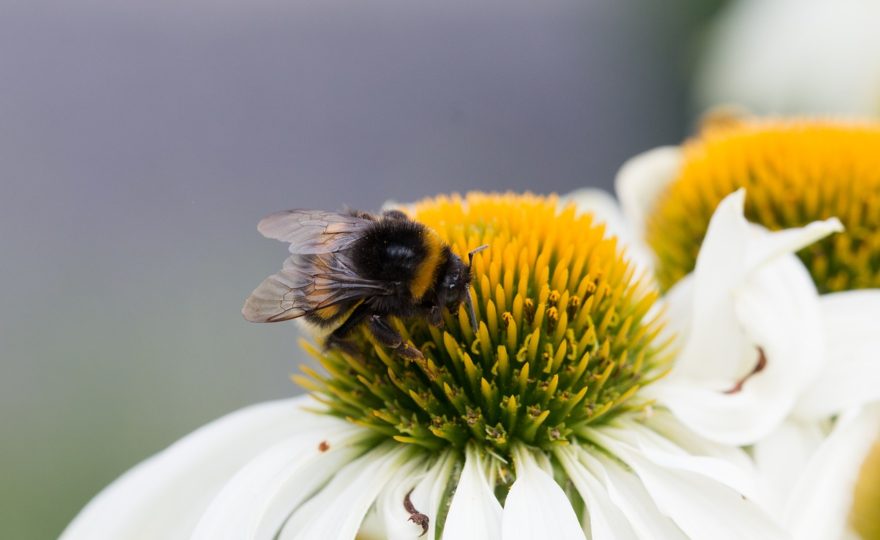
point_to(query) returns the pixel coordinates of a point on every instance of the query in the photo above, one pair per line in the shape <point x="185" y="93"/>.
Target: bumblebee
<point x="353" y="268"/>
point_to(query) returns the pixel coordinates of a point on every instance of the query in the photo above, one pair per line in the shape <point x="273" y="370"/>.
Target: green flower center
<point x="563" y="341"/>
<point x="794" y="173"/>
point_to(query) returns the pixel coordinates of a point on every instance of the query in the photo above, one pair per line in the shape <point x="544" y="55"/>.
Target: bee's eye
<point x="451" y="280"/>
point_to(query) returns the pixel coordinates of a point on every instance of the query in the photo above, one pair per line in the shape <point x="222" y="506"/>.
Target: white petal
<point x="700" y="505"/>
<point x="536" y="507"/>
<point x="430" y="492"/>
<point x="679" y="304"/>
<point x="852" y="340"/>
<point x="165" y="496"/>
<point x="618" y="504"/>
<point x="642" y="180"/>
<point x="607" y="522"/>
<point x="766" y="246"/>
<point x="748" y="291"/>
<point x="475" y="513"/>
<point x="425" y="488"/>
<point x="372" y="527"/>
<point x="738" y="474"/>
<point x="663" y="423"/>
<point x="337" y="511"/>
<point x="630" y="495"/>
<point x="257" y="501"/>
<point x="821" y="501"/>
<point x="392" y="517"/>
<point x="781" y="459"/>
<point x="728" y="419"/>
<point x="776" y="309"/>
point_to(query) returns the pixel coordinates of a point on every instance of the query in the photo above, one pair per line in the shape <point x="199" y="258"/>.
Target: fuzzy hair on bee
<point x="351" y="268"/>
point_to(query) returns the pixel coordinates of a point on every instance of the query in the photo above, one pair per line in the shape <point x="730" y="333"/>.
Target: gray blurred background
<point x="141" y="141"/>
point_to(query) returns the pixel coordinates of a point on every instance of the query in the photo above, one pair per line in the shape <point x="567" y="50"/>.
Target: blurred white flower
<point x="754" y="293"/>
<point x="553" y="438"/>
<point x="778" y="56"/>
<point x="765" y="359"/>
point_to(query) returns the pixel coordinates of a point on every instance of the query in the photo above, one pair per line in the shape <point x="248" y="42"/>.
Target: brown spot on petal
<point x="324" y="446"/>
<point x="759" y="367"/>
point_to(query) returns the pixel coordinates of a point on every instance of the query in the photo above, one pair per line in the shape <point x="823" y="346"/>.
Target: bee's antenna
<point x="468" y="300"/>
<point x="474" y="252"/>
<point x="469" y="303"/>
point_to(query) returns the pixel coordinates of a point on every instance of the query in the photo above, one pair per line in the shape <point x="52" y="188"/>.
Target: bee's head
<point x="456" y="281"/>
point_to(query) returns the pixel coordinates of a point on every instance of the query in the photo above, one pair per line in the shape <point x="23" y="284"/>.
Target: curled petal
<point x="754" y="338"/>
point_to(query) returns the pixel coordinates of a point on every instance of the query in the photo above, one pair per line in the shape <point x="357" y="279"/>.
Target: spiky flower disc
<point x="794" y="172"/>
<point x="563" y="339"/>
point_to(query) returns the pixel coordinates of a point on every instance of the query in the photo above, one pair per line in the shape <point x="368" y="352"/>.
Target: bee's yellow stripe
<point x="333" y="314"/>
<point x="328" y="312"/>
<point x="424" y="274"/>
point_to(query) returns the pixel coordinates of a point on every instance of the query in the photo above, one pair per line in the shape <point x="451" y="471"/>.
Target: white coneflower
<point x="766" y="360"/>
<point x="749" y="329"/>
<point x="794" y="172"/>
<point x="533" y="426"/>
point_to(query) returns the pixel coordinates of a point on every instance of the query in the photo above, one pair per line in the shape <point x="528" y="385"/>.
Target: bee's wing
<point x="314" y="231"/>
<point x="279" y="297"/>
<point x="309" y="283"/>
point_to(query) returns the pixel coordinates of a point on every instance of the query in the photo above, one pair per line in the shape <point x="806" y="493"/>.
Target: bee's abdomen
<point x="329" y="318"/>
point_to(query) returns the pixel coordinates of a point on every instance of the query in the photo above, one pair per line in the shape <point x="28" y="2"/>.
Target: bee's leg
<point x="435" y="316"/>
<point x="389" y="337"/>
<point x="337" y="338"/>
<point x="334" y="342"/>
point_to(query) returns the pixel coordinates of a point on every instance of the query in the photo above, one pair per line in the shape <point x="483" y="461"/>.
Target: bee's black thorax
<point x="405" y="253"/>
<point x="390" y="251"/>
